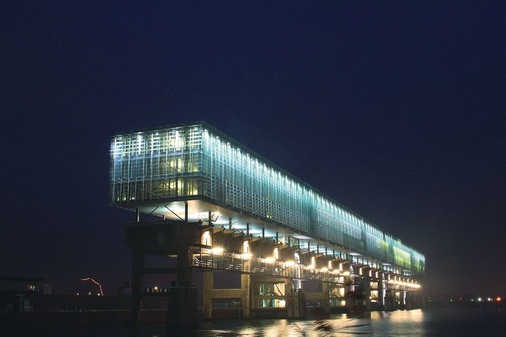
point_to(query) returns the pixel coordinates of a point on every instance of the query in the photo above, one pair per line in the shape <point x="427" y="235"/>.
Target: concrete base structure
<point x="255" y="298"/>
<point x="268" y="289"/>
<point x="209" y="294"/>
<point x="182" y="309"/>
<point x="164" y="238"/>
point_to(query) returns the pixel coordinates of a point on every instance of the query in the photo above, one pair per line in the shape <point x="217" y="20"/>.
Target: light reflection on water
<point x="448" y="322"/>
<point x="338" y="325"/>
<point x="399" y="323"/>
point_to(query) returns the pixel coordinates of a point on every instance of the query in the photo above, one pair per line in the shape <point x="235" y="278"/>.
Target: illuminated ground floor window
<point x="271" y="295"/>
<point x="337" y="296"/>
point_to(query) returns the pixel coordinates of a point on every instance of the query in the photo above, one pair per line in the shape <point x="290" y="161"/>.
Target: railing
<point x="234" y="262"/>
<point x="237" y="263"/>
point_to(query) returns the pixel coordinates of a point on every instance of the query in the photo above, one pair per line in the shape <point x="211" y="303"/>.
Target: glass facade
<point x="196" y="161"/>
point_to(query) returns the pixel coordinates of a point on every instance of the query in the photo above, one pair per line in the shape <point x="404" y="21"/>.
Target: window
<point x="271" y="295"/>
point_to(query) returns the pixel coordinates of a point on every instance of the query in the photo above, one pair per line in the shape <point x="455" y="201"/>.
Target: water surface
<point x="447" y="322"/>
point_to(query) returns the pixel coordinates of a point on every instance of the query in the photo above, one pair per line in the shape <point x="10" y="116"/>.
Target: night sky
<point x="396" y="110"/>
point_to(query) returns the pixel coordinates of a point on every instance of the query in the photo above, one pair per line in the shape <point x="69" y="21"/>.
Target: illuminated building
<point x="196" y="173"/>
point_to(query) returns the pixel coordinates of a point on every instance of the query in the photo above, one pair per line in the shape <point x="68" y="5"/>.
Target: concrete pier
<point x="273" y="287"/>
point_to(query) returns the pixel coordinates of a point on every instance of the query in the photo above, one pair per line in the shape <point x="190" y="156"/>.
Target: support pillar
<point x="182" y="309"/>
<point x="246" y="295"/>
<point x="163" y="238"/>
<point x="137" y="285"/>
<point x="389" y="299"/>
<point x="183" y="260"/>
<point x="366" y="288"/>
<point x="381" y="290"/>
<point x="301" y="304"/>
<point x="297" y="301"/>
<point x="207" y="287"/>
<point x="325" y="303"/>
<point x="403" y="298"/>
<point x="182" y="306"/>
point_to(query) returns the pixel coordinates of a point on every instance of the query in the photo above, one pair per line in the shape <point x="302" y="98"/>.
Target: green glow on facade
<point x="196" y="161"/>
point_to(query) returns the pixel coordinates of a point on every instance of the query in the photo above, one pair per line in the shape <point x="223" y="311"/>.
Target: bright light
<point x="246" y="256"/>
<point x="346" y="273"/>
<point x="206" y="239"/>
<point x="270" y="260"/>
<point x="324" y="269"/>
<point x="296" y="257"/>
<point x="498" y="299"/>
<point x="139" y="144"/>
<point x="290" y="263"/>
<point x="217" y="250"/>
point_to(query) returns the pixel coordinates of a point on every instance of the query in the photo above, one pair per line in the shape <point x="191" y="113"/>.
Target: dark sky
<point x="397" y="110"/>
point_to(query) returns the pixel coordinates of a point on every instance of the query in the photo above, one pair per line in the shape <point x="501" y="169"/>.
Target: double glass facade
<point x="196" y="161"/>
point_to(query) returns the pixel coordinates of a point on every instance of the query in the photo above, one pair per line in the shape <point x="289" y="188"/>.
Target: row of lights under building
<point x="396" y="281"/>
